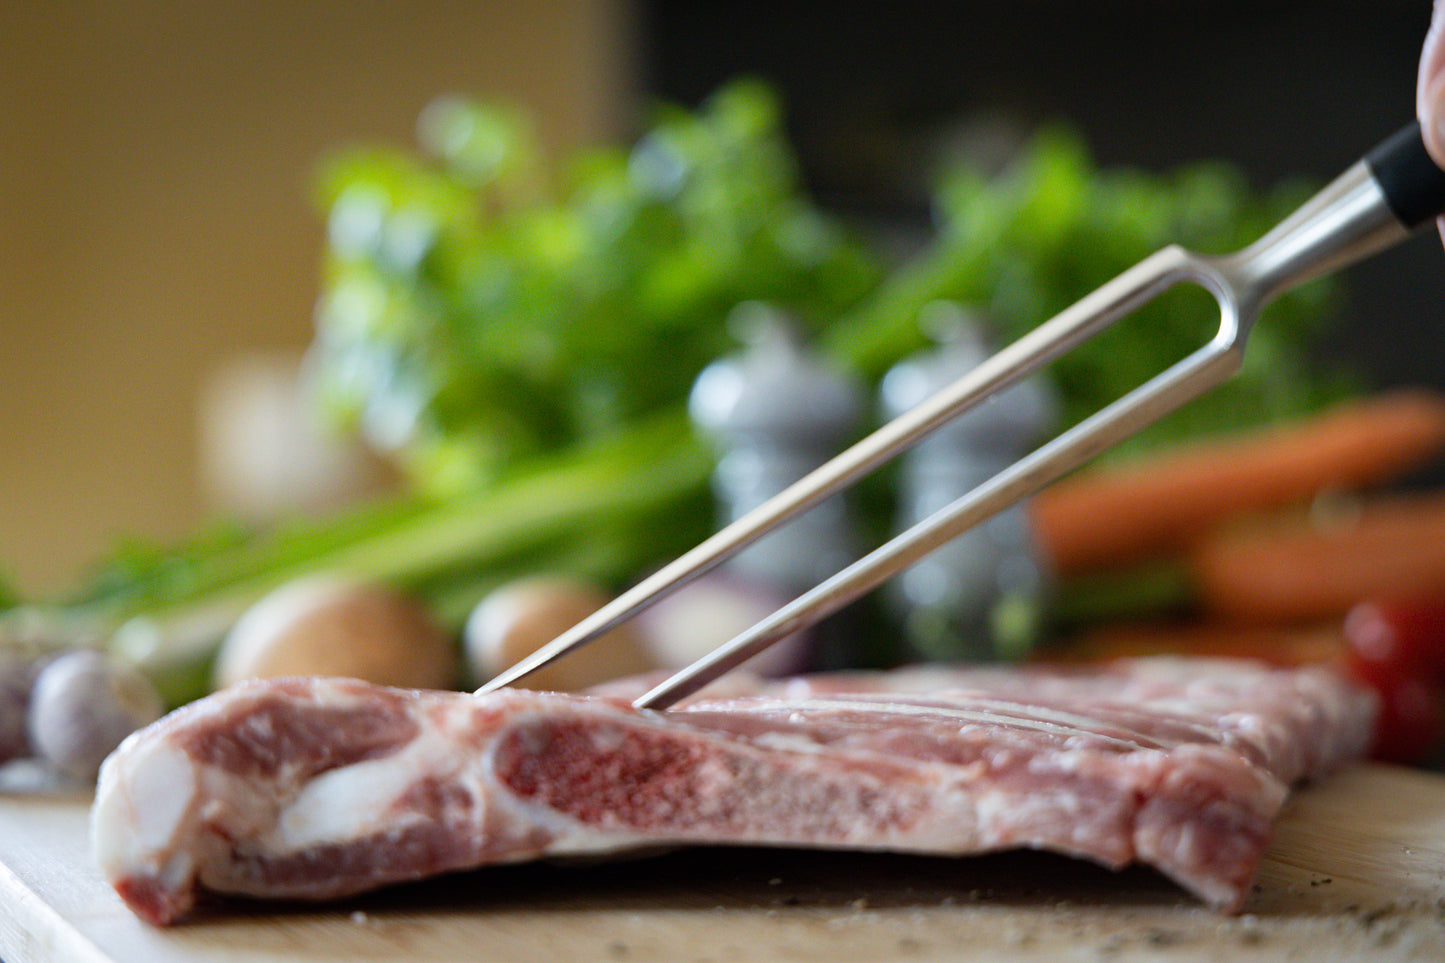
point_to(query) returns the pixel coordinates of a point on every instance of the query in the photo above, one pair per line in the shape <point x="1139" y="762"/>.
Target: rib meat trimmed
<point x="322" y="788"/>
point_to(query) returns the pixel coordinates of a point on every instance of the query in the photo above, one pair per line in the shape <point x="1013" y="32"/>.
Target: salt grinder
<point x="966" y="599"/>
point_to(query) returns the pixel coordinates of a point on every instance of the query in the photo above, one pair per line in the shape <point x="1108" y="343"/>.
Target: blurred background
<point x="159" y="239"/>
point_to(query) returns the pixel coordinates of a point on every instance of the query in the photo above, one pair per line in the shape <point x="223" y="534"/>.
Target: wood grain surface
<point x="1356" y="871"/>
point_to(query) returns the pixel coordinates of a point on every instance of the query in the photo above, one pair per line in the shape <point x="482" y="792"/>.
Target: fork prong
<point x="1005" y="368"/>
<point x="1372" y="205"/>
<point x="1187" y="379"/>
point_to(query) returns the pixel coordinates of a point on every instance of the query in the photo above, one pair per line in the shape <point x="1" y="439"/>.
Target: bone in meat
<point x="322" y="788"/>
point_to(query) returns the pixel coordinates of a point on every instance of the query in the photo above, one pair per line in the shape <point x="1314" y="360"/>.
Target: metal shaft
<point x="1343" y="223"/>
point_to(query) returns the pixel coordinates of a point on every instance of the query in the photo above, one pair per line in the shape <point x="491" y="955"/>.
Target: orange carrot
<point x="1296" y="569"/>
<point x="1322" y="643"/>
<point x="1108" y="517"/>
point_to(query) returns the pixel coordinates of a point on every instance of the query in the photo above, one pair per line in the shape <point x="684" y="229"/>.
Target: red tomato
<point x="1405" y="633"/>
<point x="1411" y="723"/>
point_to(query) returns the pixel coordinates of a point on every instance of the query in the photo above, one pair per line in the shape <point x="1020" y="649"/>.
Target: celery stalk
<point x="641" y="474"/>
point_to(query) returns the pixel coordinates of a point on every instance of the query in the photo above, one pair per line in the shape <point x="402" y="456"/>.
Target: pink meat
<point x="322" y="788"/>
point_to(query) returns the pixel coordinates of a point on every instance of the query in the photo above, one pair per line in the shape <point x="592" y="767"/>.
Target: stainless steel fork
<point x="1376" y="203"/>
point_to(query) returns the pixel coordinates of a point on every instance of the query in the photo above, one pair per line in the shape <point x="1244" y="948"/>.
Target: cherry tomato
<point x="1411" y="723"/>
<point x="1397" y="647"/>
<point x="1405" y="633"/>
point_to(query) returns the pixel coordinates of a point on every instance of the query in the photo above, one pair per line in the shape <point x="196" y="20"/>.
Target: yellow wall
<point x="155" y="219"/>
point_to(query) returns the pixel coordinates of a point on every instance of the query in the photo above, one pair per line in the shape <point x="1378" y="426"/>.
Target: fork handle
<point x="1413" y="184"/>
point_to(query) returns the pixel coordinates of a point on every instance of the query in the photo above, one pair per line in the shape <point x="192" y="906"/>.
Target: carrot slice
<point x="1302" y="570"/>
<point x="1316" y="643"/>
<point x="1107" y="517"/>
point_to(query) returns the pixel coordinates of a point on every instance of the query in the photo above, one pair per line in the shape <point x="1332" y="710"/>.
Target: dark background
<point x="1279" y="89"/>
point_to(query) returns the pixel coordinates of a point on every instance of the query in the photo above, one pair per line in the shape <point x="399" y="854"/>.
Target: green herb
<point x="479" y="308"/>
<point x="1021" y="246"/>
<point x="608" y="509"/>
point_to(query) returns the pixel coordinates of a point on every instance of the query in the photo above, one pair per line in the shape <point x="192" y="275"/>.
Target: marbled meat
<point x="323" y="788"/>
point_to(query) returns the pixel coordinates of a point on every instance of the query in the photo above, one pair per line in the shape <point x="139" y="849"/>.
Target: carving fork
<point x="1375" y="204"/>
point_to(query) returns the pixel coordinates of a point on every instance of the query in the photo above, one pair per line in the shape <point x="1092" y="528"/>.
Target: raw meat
<point x="321" y="788"/>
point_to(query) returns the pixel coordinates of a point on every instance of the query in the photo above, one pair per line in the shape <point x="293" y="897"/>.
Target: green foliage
<point x="479" y="309"/>
<point x="484" y="303"/>
<point x="1023" y="245"/>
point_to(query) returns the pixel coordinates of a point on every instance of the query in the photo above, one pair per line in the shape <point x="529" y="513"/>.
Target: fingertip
<point x="1431" y="111"/>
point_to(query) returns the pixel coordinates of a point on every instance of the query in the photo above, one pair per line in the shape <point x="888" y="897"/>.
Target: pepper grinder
<point x="776" y="411"/>
<point x="976" y="597"/>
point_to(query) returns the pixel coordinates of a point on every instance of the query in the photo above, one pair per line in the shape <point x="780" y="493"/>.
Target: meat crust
<point x="323" y="788"/>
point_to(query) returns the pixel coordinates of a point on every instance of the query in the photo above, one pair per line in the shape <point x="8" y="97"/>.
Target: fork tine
<point x="1187" y="379"/>
<point x="1374" y="204"/>
<point x="1005" y="368"/>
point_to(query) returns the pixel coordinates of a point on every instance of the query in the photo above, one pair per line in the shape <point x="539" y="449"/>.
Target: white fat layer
<point x="364" y="799"/>
<point x="144" y="799"/>
<point x="359" y="800"/>
<point x="994" y="712"/>
<point x="787" y="742"/>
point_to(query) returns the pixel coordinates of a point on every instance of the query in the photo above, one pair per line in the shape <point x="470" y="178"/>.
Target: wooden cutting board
<point x="1356" y="871"/>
